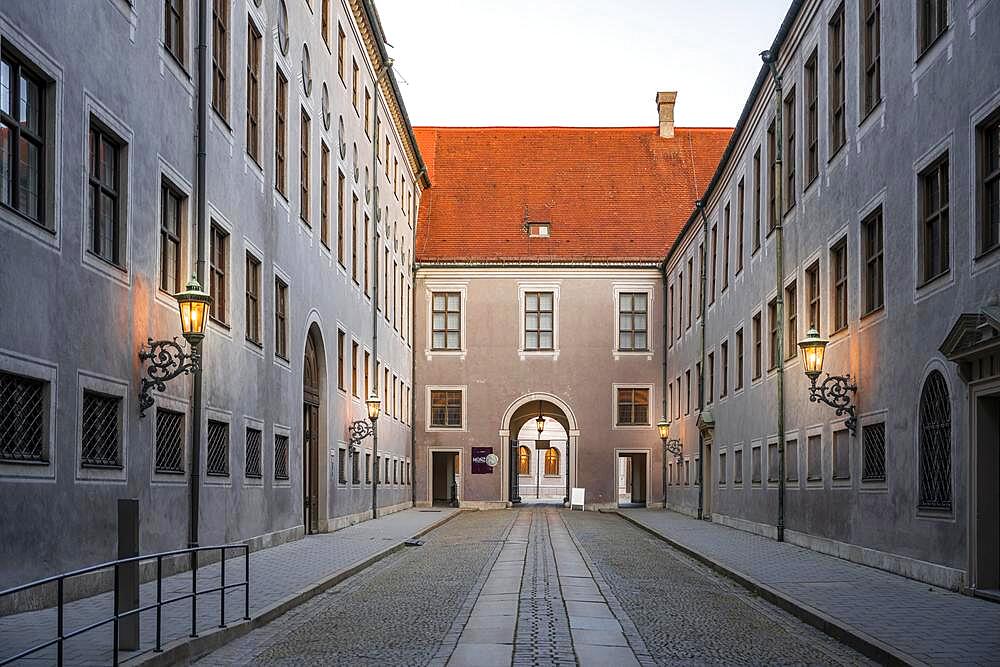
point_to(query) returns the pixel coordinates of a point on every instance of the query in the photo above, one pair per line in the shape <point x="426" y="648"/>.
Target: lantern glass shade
<point x="193" y="304"/>
<point x="374" y="407"/>
<point x="813" y="349"/>
<point x="663" y="428"/>
<point x="540" y="424"/>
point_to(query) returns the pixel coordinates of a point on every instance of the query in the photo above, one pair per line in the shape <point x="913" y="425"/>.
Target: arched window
<point x="523" y="461"/>
<point x="935" y="444"/>
<point x="552" y="461"/>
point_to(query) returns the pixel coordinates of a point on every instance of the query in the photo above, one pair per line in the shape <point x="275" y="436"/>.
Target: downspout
<point x="700" y="205"/>
<point x="769" y="59"/>
<point x="194" y="480"/>
<point x="666" y="342"/>
<point x="413" y="355"/>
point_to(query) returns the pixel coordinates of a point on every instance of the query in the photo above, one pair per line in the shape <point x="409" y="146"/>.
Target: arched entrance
<point x="519" y="418"/>
<point x="312" y="429"/>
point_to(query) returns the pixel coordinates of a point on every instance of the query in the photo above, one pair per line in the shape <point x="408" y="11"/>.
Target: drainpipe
<point x="700" y="205"/>
<point x="194" y="480"/>
<point x="413" y="356"/>
<point x="770" y="59"/>
<point x="666" y="342"/>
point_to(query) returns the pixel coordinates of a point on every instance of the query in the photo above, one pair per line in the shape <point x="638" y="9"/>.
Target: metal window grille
<point x="873" y="453"/>
<point x="100" y="442"/>
<point x="253" y="453"/>
<point x="218" y="449"/>
<point x="281" y="457"/>
<point x="342" y="465"/>
<point x="935" y="444"/>
<point x="169" y="441"/>
<point x="355" y="470"/>
<point x="22" y="419"/>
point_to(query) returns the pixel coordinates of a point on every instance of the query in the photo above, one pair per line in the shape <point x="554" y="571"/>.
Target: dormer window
<point x="539" y="230"/>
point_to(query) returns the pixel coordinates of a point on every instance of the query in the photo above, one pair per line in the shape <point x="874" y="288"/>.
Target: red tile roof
<point x="610" y="194"/>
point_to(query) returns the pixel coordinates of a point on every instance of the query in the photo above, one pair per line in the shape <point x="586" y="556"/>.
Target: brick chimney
<point x="665" y="108"/>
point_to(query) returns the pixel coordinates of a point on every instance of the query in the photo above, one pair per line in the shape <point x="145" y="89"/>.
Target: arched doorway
<point x="541" y="462"/>
<point x="312" y="388"/>
<point x="518" y="431"/>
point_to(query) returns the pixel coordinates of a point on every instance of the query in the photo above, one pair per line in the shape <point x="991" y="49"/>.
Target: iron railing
<point x="118" y="615"/>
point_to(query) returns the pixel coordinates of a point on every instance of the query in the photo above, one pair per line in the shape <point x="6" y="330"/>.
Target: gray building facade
<point x="313" y="180"/>
<point x="888" y="204"/>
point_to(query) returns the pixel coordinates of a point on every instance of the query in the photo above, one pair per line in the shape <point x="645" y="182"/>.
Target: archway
<point x="313" y="431"/>
<point x="521" y="414"/>
<point x="541" y="464"/>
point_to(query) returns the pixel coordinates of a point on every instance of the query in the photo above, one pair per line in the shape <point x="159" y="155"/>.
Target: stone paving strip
<point x="280" y="577"/>
<point x="889" y="617"/>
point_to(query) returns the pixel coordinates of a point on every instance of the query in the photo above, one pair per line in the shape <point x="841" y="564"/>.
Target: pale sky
<point x="576" y="62"/>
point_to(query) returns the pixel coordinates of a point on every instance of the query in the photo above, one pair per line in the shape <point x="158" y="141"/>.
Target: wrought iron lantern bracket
<point x="674" y="447"/>
<point x="167" y="359"/>
<point x="833" y="391"/>
<point x="360" y="430"/>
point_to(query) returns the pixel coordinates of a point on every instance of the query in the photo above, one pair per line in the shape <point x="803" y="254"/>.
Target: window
<point x="691" y="285"/>
<point x="23" y="423"/>
<point x="217" y="270"/>
<point x="711" y="377"/>
<point x="755" y="333"/>
<point x="935" y="444"/>
<point x="773" y="463"/>
<point x="539" y="230"/>
<point x="772" y="178"/>
<point x="220" y="57"/>
<point x="340" y="360"/>
<point x="280" y="457"/>
<point x="253" y="453"/>
<point x="713" y="266"/>
<point x="873" y="268"/>
<point x="280" y="114"/>
<point x="280" y="318"/>
<point x="838" y="131"/>
<point x="340" y="217"/>
<point x="841" y="455"/>
<point x="354" y="83"/>
<point x="838" y="267"/>
<point x="791" y="321"/>
<point x="680" y="304"/>
<point x="324" y="194"/>
<point x="723" y="369"/>
<point x="871" y="50"/>
<point x="169" y="455"/>
<point x="386" y="405"/>
<point x="304" y="167"/>
<point x="772" y="341"/>
<point x="100" y="445"/>
<point x="932" y="21"/>
<point x="366" y="370"/>
<point x="368" y="111"/>
<point x="22" y="127"/>
<point x="254" y="47"/>
<point x="792" y="460"/>
<point x="523" y="461"/>
<point x="812" y="118"/>
<point x="173" y="28"/>
<point x="354" y="239"/>
<point x="934" y="228"/>
<point x="814" y="458"/>
<point x="738" y="380"/>
<point x="789" y="156"/>
<point x="740" y="221"/>
<point x="722" y="469"/>
<point x="873" y="452"/>
<point x="354" y="368"/>
<point x="632" y="323"/>
<point x="253" y="299"/>
<point x="341" y="40"/>
<point x="756" y="200"/>
<point x="446" y="321"/>
<point x="989" y="184"/>
<point x="670" y="331"/>
<point x="725" y="248"/>
<point x="171" y="223"/>
<point x="552" y="461"/>
<point x="364" y="251"/>
<point x="342" y="465"/>
<point x="633" y="407"/>
<point x="395" y="404"/>
<point x="107" y="231"/>
<point x="687" y="392"/>
<point x="538" y="321"/>
<point x="737" y="466"/>
<point x="355" y="473"/>
<point x="324" y="24"/>
<point x="813" y="295"/>
<point x="755" y="465"/>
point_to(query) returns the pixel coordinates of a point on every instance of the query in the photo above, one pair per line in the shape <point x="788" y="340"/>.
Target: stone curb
<point x="189" y="649"/>
<point x="857" y="639"/>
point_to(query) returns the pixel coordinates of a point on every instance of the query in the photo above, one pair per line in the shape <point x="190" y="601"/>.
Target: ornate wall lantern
<point x="361" y="429"/>
<point x="669" y="446"/>
<point x="834" y="389"/>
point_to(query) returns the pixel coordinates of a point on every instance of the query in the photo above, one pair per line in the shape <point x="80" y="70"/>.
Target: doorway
<point x="310" y="436"/>
<point x="987" y="485"/>
<point x="631" y="472"/>
<point x="444" y="482"/>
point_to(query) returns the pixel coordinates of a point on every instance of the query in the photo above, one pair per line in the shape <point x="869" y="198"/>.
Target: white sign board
<point x="576" y="498"/>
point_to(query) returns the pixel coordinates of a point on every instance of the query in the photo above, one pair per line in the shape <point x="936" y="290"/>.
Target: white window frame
<point x="429" y="289"/>
<point x="427" y="409"/>
<point x="631" y="288"/>
<point x="249" y="482"/>
<point x="37" y="369"/>
<point x="178" y="182"/>
<point x="249" y="247"/>
<point x="522" y="289"/>
<point x="615" y="426"/>
<point x="183" y="406"/>
<point x="111" y="386"/>
<point x="276" y="430"/>
<point x="226" y="416"/>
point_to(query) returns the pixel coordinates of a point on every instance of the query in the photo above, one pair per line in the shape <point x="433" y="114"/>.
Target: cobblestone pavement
<point x="924" y="623"/>
<point x="275" y="573"/>
<point x="397" y="612"/>
<point x="687" y="614"/>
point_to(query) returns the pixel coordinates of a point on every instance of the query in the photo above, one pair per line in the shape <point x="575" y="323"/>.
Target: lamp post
<point x="674" y="446"/>
<point x="361" y="429"/>
<point x="834" y="389"/>
<point x="167" y="358"/>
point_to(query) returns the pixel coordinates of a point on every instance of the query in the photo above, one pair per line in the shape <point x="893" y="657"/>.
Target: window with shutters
<point x="101" y="424"/>
<point x="23" y="419"/>
<point x="633" y="321"/>
<point x="169" y="454"/>
<point x="935" y="444"/>
<point x="217" y="452"/>
<point x="632" y="406"/>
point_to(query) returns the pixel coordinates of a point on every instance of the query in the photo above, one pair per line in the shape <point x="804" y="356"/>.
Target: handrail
<point x="62" y="635"/>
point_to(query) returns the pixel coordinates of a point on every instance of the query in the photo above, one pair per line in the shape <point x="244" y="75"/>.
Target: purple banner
<point x="480" y="466"/>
